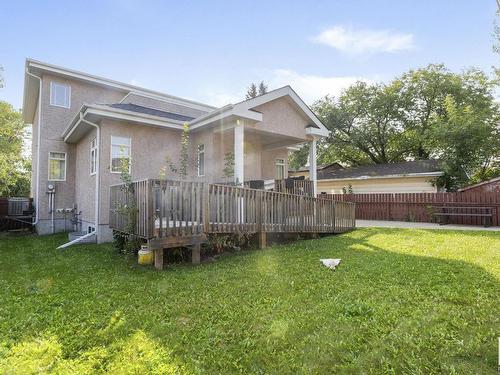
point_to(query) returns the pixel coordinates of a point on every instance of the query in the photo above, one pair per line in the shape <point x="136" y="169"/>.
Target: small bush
<point x="126" y="244"/>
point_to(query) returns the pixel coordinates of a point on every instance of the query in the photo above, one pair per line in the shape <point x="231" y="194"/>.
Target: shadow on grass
<point x="399" y="302"/>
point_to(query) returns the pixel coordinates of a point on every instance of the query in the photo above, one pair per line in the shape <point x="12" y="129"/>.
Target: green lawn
<point x="402" y="301"/>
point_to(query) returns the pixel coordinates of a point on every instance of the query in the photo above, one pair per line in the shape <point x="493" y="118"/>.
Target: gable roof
<point x="37" y="68"/>
<point x="493" y="180"/>
<point x="430" y="168"/>
<point x="150" y="111"/>
<point x="246" y="109"/>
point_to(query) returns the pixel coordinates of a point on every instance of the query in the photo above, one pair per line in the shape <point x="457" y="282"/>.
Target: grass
<point x="402" y="301"/>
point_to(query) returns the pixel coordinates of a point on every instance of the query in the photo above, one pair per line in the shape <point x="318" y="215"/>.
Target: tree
<point x="411" y="118"/>
<point x="253" y="91"/>
<point x="363" y="125"/>
<point x="14" y="169"/>
<point x="423" y="93"/>
<point x="180" y="169"/>
<point x="262" y="88"/>
<point x="229" y="165"/>
<point x="468" y="139"/>
<point x="299" y="158"/>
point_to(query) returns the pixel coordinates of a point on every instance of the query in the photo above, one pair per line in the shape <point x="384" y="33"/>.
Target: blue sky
<point x="210" y="51"/>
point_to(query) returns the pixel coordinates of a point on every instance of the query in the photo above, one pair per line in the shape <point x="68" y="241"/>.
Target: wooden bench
<point x="443" y="213"/>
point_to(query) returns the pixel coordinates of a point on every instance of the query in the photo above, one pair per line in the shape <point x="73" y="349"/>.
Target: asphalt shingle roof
<point x="150" y="111"/>
<point x="377" y="170"/>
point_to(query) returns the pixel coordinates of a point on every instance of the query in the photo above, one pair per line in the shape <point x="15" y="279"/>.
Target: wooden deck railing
<point x="175" y="208"/>
<point x="294" y="186"/>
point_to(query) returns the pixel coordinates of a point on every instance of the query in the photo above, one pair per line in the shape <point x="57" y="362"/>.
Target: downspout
<point x="37" y="197"/>
<point x="98" y="169"/>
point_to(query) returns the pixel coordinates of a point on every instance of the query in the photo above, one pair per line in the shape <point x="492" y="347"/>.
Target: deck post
<point x="196" y="253"/>
<point x="313" y="168"/>
<point x="262" y="237"/>
<point x="159" y="258"/>
<point x="261" y="234"/>
<point x="239" y="139"/>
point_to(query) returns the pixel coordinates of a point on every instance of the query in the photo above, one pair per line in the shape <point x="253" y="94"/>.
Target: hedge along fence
<point x="418" y="206"/>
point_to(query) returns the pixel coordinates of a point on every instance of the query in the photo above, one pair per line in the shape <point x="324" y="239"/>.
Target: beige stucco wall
<point x="84" y="181"/>
<point x="282" y="117"/>
<point x="53" y="121"/>
<point x="381" y="185"/>
<point x="269" y="162"/>
<point x="150" y="147"/>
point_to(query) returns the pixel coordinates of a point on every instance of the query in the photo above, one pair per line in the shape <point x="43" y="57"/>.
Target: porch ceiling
<point x="271" y="140"/>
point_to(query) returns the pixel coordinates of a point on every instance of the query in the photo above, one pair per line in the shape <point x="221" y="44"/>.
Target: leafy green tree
<point x="180" y="169"/>
<point x="412" y="117"/>
<point x="14" y="169"/>
<point x="468" y="141"/>
<point x="299" y="158"/>
<point x="363" y="125"/>
<point x="229" y="165"/>
<point x="423" y="95"/>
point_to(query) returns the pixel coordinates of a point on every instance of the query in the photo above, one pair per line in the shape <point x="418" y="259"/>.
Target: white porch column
<point x="312" y="166"/>
<point x="239" y="157"/>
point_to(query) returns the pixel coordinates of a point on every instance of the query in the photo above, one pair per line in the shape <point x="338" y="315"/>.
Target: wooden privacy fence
<point x="178" y="208"/>
<point x="419" y="207"/>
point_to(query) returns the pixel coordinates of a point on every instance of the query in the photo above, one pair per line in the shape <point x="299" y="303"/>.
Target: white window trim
<point x="90" y="229"/>
<point x="93" y="148"/>
<point x="52" y="83"/>
<point x="111" y="153"/>
<point x="198" y="159"/>
<point x="65" y="165"/>
<point x="280" y="164"/>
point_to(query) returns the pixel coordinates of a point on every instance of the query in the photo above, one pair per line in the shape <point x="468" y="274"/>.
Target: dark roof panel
<point x="150" y="111"/>
<point x="378" y="170"/>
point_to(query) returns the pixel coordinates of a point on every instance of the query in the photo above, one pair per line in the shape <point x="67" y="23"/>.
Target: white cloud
<point x="309" y="87"/>
<point x="364" y="40"/>
<point x="313" y="87"/>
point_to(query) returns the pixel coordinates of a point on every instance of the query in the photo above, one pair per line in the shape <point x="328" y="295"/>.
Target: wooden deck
<point x="178" y="213"/>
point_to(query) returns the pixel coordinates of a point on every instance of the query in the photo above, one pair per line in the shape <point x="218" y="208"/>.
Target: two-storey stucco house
<point x="84" y="126"/>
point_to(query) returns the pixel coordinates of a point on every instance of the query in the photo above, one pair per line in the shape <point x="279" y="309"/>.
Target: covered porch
<point x="258" y="133"/>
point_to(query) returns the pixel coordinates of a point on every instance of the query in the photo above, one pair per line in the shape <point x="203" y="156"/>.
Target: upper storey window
<point x="60" y="94"/>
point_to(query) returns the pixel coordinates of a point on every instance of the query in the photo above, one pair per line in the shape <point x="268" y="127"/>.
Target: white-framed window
<point x="90" y="229"/>
<point x="57" y="166"/>
<point x="60" y="94"/>
<point x="120" y="153"/>
<point x="280" y="169"/>
<point x="201" y="160"/>
<point x="93" y="156"/>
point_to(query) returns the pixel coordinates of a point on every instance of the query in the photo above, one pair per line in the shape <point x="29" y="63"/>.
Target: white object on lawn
<point x="330" y="263"/>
